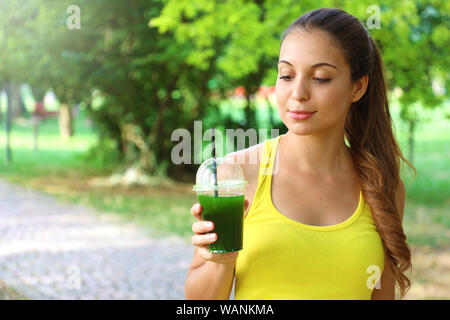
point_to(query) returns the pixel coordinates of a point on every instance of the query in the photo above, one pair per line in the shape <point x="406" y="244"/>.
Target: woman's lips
<point x="301" y="115"/>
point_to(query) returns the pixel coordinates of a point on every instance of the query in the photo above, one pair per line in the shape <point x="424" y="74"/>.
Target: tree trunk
<point x="412" y="125"/>
<point x="16" y="101"/>
<point x="65" y="121"/>
<point x="155" y="135"/>
<point x="155" y="146"/>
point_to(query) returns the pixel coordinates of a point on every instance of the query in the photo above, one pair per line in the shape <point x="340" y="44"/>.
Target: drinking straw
<point x="213" y="139"/>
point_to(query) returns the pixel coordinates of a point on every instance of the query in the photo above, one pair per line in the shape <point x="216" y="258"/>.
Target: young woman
<point x="323" y="217"/>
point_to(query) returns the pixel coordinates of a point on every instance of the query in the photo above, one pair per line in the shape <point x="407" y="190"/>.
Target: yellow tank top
<point x="286" y="259"/>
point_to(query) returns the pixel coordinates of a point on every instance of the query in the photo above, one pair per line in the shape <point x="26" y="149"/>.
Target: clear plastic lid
<point x="229" y="175"/>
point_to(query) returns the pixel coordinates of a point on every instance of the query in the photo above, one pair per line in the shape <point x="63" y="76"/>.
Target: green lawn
<point x="427" y="213"/>
<point x="53" y="154"/>
<point x="58" y="168"/>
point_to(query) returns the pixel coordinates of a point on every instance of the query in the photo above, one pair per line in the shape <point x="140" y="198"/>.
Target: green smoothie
<point x="227" y="213"/>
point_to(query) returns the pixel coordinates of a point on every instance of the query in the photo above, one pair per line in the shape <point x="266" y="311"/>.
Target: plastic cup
<point x="220" y="187"/>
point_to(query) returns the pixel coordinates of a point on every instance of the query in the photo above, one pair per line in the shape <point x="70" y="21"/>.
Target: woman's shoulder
<point x="249" y="160"/>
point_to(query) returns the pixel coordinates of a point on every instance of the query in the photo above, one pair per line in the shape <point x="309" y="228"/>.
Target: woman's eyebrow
<point x="324" y="64"/>
<point x="287" y="62"/>
<point x="320" y="64"/>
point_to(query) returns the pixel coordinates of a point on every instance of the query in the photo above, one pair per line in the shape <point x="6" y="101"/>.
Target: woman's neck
<point x="316" y="154"/>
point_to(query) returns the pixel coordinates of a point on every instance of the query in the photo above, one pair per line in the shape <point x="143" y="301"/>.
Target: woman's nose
<point x="301" y="89"/>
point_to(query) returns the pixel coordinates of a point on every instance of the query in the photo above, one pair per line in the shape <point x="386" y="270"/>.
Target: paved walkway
<point x="55" y="250"/>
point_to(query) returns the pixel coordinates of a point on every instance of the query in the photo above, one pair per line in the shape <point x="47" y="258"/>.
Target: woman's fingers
<point x="196" y="211"/>
<point x="203" y="251"/>
<point x="201" y="240"/>
<point x="217" y="257"/>
<point x="202" y="226"/>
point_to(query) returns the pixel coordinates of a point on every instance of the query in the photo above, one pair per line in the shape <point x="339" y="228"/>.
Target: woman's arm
<point x="212" y="280"/>
<point x="387" y="281"/>
<point x="209" y="280"/>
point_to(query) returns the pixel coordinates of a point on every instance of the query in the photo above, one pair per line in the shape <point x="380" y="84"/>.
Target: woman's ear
<point x="359" y="88"/>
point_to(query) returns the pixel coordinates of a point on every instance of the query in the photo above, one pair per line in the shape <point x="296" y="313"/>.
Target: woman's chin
<point x="300" y="129"/>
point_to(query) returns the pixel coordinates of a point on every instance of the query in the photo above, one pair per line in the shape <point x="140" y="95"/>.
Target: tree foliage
<point x="143" y="68"/>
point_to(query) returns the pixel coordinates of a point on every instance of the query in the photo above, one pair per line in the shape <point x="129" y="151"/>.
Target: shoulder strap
<point x="268" y="158"/>
<point x="263" y="163"/>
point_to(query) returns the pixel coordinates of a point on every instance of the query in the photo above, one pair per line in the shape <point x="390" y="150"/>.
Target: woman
<point x="323" y="220"/>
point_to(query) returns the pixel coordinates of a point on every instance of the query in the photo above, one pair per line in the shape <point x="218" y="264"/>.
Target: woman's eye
<point x="285" y="77"/>
<point x="322" y="80"/>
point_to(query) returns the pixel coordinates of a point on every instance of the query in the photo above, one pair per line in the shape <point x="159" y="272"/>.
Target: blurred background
<point x="91" y="91"/>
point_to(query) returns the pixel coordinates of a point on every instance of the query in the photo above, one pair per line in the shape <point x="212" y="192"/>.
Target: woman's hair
<point x="368" y="130"/>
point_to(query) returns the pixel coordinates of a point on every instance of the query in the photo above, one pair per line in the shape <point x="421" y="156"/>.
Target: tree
<point x="238" y="39"/>
<point x="414" y="40"/>
<point x="154" y="66"/>
<point x="58" y="52"/>
<point x="16" y="31"/>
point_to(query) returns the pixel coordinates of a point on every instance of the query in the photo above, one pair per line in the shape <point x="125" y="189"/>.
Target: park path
<point x="55" y="250"/>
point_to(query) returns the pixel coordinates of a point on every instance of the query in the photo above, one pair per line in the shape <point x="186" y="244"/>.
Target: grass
<point x="54" y="154"/>
<point x="427" y="214"/>
<point x="161" y="208"/>
<point x="58" y="168"/>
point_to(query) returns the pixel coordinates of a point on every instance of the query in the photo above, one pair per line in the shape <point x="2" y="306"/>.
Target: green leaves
<point x="234" y="26"/>
<point x="162" y="64"/>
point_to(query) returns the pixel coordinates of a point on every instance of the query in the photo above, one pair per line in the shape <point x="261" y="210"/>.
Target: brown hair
<point x="368" y="130"/>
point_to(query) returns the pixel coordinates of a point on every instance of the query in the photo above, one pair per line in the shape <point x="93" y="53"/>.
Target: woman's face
<point x="313" y="75"/>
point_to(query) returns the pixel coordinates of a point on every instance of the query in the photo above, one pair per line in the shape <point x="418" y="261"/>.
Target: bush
<point x="104" y="157"/>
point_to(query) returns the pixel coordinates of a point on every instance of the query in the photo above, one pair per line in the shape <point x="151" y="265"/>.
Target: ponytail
<point x="377" y="156"/>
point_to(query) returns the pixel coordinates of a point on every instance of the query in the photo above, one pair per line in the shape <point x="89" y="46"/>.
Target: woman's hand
<point x="201" y="238"/>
